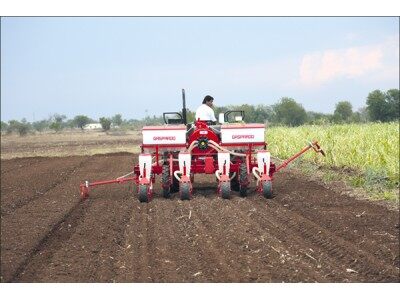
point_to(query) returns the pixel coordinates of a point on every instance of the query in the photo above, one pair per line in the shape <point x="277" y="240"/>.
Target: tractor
<point x="233" y="151"/>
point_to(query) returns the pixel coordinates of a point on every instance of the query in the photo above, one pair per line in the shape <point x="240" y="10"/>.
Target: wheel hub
<point x="202" y="143"/>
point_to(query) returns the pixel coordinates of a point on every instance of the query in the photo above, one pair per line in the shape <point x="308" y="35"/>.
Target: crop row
<point x="371" y="148"/>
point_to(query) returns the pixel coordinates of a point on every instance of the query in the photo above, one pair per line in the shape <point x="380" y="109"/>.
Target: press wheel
<point x="226" y="189"/>
<point x="184" y="191"/>
<point x="267" y="188"/>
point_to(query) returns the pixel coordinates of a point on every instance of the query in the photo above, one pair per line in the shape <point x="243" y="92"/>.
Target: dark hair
<point x="207" y="99"/>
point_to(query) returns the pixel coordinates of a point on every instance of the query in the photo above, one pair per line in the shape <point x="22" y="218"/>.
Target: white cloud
<point x="377" y="61"/>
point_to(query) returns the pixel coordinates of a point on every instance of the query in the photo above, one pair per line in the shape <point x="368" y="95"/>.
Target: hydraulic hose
<point x="219" y="176"/>
<point x="220" y="148"/>
<point x="256" y="175"/>
<point x="176" y="175"/>
<point x="192" y="145"/>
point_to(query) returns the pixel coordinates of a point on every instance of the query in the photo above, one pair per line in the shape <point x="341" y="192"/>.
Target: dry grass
<point x="68" y="143"/>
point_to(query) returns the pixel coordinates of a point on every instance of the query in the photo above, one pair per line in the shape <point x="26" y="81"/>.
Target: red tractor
<point x="233" y="151"/>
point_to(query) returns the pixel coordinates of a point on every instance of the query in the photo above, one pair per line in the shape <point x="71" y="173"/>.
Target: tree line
<point x="380" y="107"/>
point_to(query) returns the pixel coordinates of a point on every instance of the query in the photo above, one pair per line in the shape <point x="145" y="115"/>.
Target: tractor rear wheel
<point x="166" y="181"/>
<point x="243" y="180"/>
<point x="144" y="195"/>
<point x="243" y="190"/>
<point x="184" y="191"/>
<point x="267" y="188"/>
<point x="226" y="189"/>
<point x="235" y="185"/>
<point x="175" y="185"/>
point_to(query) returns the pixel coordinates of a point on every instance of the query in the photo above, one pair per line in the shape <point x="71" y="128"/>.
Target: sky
<point x="137" y="66"/>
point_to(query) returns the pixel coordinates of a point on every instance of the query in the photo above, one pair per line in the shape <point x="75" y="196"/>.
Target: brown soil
<point x="306" y="233"/>
<point x="68" y="144"/>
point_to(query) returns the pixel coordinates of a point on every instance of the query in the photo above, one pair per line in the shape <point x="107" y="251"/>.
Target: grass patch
<point x="365" y="156"/>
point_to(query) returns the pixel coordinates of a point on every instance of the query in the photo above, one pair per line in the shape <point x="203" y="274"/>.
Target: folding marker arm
<point x="311" y="145"/>
<point x="84" y="187"/>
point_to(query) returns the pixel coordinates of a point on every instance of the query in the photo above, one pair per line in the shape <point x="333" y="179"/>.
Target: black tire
<point x="243" y="180"/>
<point x="267" y="189"/>
<point x="243" y="191"/>
<point x="184" y="191"/>
<point x="235" y="185"/>
<point x="143" y="195"/>
<point x="175" y="185"/>
<point x="226" y="190"/>
<point x="165" y="181"/>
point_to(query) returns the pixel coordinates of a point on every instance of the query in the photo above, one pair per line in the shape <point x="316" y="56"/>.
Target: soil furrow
<point x="19" y="237"/>
<point x="19" y="202"/>
<point x="212" y="241"/>
<point x="347" y="253"/>
<point x="203" y="266"/>
<point x="18" y="164"/>
<point x="294" y="265"/>
<point x="166" y="256"/>
<point x="352" y="224"/>
<point x="319" y="262"/>
<point x="143" y="274"/>
<point x="99" y="228"/>
<point x="306" y="233"/>
<point x="39" y="257"/>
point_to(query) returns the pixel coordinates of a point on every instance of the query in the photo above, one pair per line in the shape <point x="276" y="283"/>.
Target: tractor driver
<point x="205" y="111"/>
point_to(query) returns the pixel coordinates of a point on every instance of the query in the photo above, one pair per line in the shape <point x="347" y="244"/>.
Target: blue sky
<point x="103" y="66"/>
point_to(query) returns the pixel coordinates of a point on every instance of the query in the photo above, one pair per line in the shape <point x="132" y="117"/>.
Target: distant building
<point x="92" y="126"/>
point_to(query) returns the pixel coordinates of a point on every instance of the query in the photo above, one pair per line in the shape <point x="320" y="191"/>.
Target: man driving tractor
<point x="205" y="111"/>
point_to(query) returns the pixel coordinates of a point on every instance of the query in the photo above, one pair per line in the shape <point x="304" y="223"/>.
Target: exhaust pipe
<point x="184" y="107"/>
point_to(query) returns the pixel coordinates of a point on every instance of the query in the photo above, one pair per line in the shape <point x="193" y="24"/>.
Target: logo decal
<point x="164" y="138"/>
<point x="242" y="136"/>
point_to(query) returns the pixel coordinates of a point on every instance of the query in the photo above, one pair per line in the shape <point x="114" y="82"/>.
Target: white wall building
<point x="92" y="126"/>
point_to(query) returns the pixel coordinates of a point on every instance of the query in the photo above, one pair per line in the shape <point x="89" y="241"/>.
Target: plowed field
<point x="306" y="233"/>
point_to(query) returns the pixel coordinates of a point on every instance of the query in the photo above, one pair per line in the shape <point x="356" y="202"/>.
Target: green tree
<point x="289" y="112"/>
<point x="117" y="119"/>
<point x="360" y="116"/>
<point x="190" y="115"/>
<point x="21" y="127"/>
<point x="262" y="114"/>
<point x="249" y="112"/>
<point x="377" y="106"/>
<point x="252" y="114"/>
<point x="70" y="123"/>
<point x="393" y="102"/>
<point x="343" y="111"/>
<point x="105" y="123"/>
<point x="40" y="125"/>
<point x="81" y="120"/>
<point x="317" y="118"/>
<point x="12" y="126"/>
<point x="4" y="126"/>
<point x="56" y="126"/>
<point x="56" y="122"/>
<point x="217" y="111"/>
<point x="58" y="118"/>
